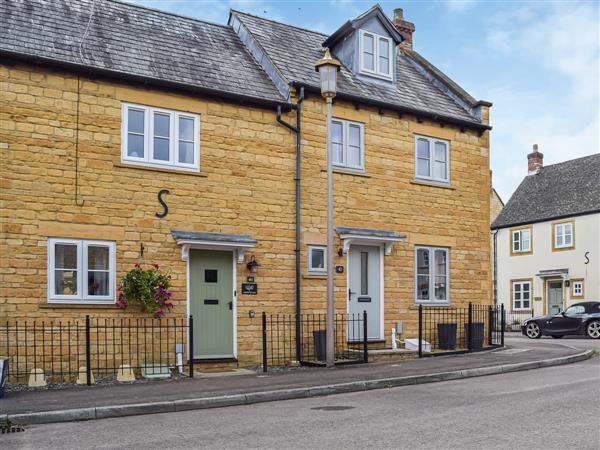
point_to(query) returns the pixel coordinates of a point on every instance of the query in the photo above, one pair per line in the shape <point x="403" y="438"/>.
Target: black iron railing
<point x="515" y="318"/>
<point x="279" y="339"/>
<point x="96" y="347"/>
<point x="449" y="329"/>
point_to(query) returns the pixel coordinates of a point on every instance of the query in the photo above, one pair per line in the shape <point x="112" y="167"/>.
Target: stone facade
<point x="60" y="178"/>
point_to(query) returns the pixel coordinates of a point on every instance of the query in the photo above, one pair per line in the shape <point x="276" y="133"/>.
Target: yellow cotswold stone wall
<point x="246" y="186"/>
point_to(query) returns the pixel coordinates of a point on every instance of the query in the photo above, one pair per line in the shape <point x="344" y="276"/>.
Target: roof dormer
<point x="367" y="45"/>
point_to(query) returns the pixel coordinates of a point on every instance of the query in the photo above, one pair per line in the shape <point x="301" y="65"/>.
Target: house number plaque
<point x="249" y="288"/>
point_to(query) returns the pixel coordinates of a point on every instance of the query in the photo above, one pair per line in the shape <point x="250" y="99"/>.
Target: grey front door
<point x="211" y="303"/>
<point x="364" y="290"/>
<point x="555" y="297"/>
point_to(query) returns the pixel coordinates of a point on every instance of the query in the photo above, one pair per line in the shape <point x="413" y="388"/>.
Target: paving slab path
<point x="518" y="351"/>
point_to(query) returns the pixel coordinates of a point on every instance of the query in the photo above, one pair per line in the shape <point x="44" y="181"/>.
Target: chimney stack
<point x="405" y="28"/>
<point x="535" y="161"/>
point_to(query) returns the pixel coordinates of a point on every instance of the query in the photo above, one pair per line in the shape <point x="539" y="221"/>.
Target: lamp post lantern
<point x="328" y="68"/>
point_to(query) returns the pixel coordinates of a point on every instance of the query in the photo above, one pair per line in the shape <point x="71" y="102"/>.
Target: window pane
<point x="65" y="256"/>
<point x="337" y="142"/>
<point x="211" y="275"/>
<point x="135" y="121"/>
<point x="65" y="282"/>
<point x="364" y="273"/>
<point x="525" y="240"/>
<point x="526" y="304"/>
<point x="439" y="170"/>
<point x="423" y="167"/>
<point x="317" y="260"/>
<point x="186" y="152"/>
<point x="384" y="61"/>
<point x="337" y="132"/>
<point x="161" y="149"/>
<point x="423" y="148"/>
<point x="98" y="257"/>
<point x="98" y="283"/>
<point x="440" y="151"/>
<point x="135" y="145"/>
<point x="368" y="52"/>
<point x="423" y="287"/>
<point x="440" y="288"/>
<point x="354" y="146"/>
<point x="440" y="262"/>
<point x="186" y="129"/>
<point x="161" y="125"/>
<point x="423" y="261"/>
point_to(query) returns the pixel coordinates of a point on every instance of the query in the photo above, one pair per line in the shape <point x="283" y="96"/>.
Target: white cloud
<point x="562" y="44"/>
<point x="459" y="6"/>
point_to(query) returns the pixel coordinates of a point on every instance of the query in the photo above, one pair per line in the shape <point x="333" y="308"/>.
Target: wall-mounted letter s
<point x="162" y="202"/>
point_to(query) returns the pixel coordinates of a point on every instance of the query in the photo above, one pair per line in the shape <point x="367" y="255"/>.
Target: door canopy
<point x="366" y="236"/>
<point x="201" y="240"/>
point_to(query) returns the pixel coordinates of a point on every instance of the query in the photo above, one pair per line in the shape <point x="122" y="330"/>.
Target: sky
<point x="538" y="62"/>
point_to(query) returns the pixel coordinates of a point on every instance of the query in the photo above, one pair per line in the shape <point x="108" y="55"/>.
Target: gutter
<point x="403" y="109"/>
<point x="297" y="130"/>
<point x="146" y="81"/>
<point x="545" y="219"/>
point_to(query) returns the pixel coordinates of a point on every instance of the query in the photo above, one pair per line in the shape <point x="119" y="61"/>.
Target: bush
<point x="147" y="287"/>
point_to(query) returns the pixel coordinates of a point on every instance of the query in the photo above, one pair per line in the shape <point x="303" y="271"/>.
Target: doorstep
<point x="390" y="355"/>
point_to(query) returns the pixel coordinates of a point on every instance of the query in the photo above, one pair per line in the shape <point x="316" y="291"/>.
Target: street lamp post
<point x="328" y="68"/>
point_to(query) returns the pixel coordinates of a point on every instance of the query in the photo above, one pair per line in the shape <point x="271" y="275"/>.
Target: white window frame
<point x="520" y="234"/>
<point x="432" y="142"/>
<point x="513" y="300"/>
<point x="148" y="159"/>
<point x="346" y="124"/>
<point x="563" y="227"/>
<point x="317" y="270"/>
<point x="432" y="274"/>
<point x="82" y="296"/>
<point x="376" y="39"/>
<point x="577" y="285"/>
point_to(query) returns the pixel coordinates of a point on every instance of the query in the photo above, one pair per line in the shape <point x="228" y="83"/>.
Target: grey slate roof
<point x="566" y="189"/>
<point x="212" y="237"/>
<point x="294" y="52"/>
<point x="132" y="40"/>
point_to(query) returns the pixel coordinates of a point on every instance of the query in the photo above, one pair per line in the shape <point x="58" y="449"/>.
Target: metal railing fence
<point x="95" y="347"/>
<point x="279" y="339"/>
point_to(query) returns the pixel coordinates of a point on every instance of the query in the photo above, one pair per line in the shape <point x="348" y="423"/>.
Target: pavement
<point x="550" y="408"/>
<point x="96" y="402"/>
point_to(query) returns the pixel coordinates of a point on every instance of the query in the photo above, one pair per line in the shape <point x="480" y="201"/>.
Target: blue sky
<point x="537" y="61"/>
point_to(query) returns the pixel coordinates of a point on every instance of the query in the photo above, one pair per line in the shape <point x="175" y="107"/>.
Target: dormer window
<point x="376" y="55"/>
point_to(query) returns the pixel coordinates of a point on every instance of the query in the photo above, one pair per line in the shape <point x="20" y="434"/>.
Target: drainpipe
<point x="297" y="130"/>
<point x="495" y="233"/>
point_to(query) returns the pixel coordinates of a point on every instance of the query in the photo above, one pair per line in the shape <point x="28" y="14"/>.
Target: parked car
<point x="580" y="318"/>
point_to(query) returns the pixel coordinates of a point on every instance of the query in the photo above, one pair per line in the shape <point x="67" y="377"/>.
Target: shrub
<point x="150" y="288"/>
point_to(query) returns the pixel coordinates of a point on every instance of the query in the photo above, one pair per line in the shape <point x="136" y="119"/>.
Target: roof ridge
<point x="162" y="11"/>
<point x="275" y="21"/>
<point x="572" y="160"/>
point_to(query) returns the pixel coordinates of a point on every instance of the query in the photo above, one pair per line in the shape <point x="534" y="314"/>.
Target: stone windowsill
<point x="356" y="173"/>
<point x="77" y="306"/>
<point x="432" y="183"/>
<point x="315" y="276"/>
<point x="160" y="169"/>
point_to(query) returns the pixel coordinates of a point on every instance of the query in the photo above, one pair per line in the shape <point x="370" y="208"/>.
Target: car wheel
<point x="593" y="329"/>
<point x="558" y="337"/>
<point x="533" y="330"/>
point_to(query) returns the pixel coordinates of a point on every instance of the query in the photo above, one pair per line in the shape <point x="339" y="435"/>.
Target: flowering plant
<point x="149" y="288"/>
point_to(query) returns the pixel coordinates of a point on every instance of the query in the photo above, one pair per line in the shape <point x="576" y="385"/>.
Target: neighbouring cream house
<point x="132" y="135"/>
<point x="548" y="237"/>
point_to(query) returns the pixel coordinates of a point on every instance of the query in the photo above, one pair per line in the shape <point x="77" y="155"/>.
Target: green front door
<point x="555" y="297"/>
<point x="211" y="303"/>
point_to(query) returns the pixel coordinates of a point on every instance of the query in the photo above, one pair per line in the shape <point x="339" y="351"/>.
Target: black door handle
<point x="350" y="292"/>
<point x="230" y="306"/>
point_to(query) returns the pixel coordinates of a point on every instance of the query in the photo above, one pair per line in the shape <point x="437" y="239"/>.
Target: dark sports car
<point x="580" y="318"/>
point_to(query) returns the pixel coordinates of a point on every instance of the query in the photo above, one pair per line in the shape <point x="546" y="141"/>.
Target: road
<point x="556" y="407"/>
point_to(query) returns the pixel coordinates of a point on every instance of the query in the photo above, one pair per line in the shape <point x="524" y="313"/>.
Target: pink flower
<point x="169" y="305"/>
<point x="159" y="313"/>
<point x="156" y="266"/>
